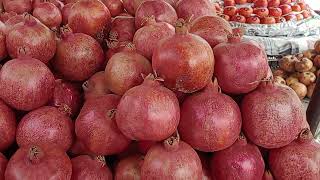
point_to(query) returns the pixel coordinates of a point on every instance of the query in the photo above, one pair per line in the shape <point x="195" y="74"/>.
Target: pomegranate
<point x="4" y="16"/>
<point x="3" y="50"/>
<point x="90" y="17"/>
<point x="7" y="127"/>
<point x="272" y="115"/>
<point x="144" y="146"/>
<point x="129" y="168"/>
<point x="173" y="159"/>
<point x="85" y="167"/>
<point x="48" y="14"/>
<point x="95" y="86"/>
<point x="96" y="128"/>
<point x="122" y="29"/>
<point x="115" y="46"/>
<point x="298" y="160"/>
<point x="185" y="61"/>
<point x="78" y="148"/>
<point x="13" y="21"/>
<point x="57" y="3"/>
<point x="205" y="162"/>
<point x="160" y="10"/>
<point x="148" y="111"/>
<point x="66" y="96"/>
<point x="31" y="163"/>
<point x="114" y="6"/>
<point x="128" y="5"/>
<point x="215" y="119"/>
<point x="65" y="12"/>
<point x="147" y="38"/>
<point x="43" y="44"/>
<point x="3" y="165"/>
<point x="206" y="26"/>
<point x="191" y="9"/>
<point x="242" y="160"/>
<point x="78" y="56"/>
<point x="26" y="83"/>
<point x="18" y="6"/>
<point x="46" y="126"/>
<point x="267" y="175"/>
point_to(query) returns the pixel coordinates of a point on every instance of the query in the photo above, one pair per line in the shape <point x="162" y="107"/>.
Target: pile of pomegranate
<point x="142" y="89"/>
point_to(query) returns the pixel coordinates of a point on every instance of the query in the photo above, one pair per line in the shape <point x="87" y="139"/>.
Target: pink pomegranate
<point x="191" y="9"/>
<point x="122" y="29"/>
<point x="26" y="83"/>
<point x="85" y="167"/>
<point x="96" y="128"/>
<point x="206" y="26"/>
<point x="115" y="46"/>
<point x="128" y="5"/>
<point x="3" y="165"/>
<point x="160" y="10"/>
<point x="298" y="160"/>
<point x="3" y="49"/>
<point x="13" y="21"/>
<point x="4" y="16"/>
<point x="129" y="168"/>
<point x="96" y="86"/>
<point x="144" y="146"/>
<point x="7" y="127"/>
<point x="115" y="6"/>
<point x="57" y="3"/>
<point x="184" y="61"/>
<point x="45" y="127"/>
<point x="78" y="148"/>
<point x="65" y="12"/>
<point x="48" y="14"/>
<point x="18" y="6"/>
<point x="172" y="159"/>
<point x="272" y="115"/>
<point x="240" y="161"/>
<point x="214" y="117"/>
<point x="148" y="111"/>
<point x="31" y="163"/>
<point x="147" y="38"/>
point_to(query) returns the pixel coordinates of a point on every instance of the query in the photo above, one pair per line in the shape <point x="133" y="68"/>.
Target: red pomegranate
<point x="240" y="65"/>
<point x="26" y="83"/>
<point x="85" y="167"/>
<point x="95" y="86"/>
<point x="78" y="56"/>
<point x="65" y="12"/>
<point x="298" y="160"/>
<point x="242" y="160"/>
<point x="78" y="148"/>
<point x="48" y="14"/>
<point x="272" y="115"/>
<point x="43" y="44"/>
<point x="96" y="128"/>
<point x="148" y="111"/>
<point x="160" y="10"/>
<point x="122" y="29"/>
<point x="114" y="6"/>
<point x="7" y="127"/>
<point x="115" y="46"/>
<point x="172" y="159"/>
<point x="18" y="6"/>
<point x="191" y="9"/>
<point x="185" y="61"/>
<point x="15" y="19"/>
<point x="129" y="168"/>
<point x="144" y="146"/>
<point x="147" y="38"/>
<point x="3" y="49"/>
<point x="4" y="16"/>
<point x="31" y="163"/>
<point x="126" y="70"/>
<point x="45" y="127"/>
<point x="128" y="5"/>
<point x="90" y="17"/>
<point x="3" y="165"/>
<point x="215" y="119"/>
<point x="206" y="26"/>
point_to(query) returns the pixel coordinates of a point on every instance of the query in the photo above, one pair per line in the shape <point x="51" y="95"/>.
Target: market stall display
<point x="154" y="89"/>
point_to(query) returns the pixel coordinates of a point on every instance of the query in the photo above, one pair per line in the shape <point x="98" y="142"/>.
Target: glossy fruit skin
<point x="268" y="20"/>
<point x="114" y="6"/>
<point x="275" y="12"/>
<point x="253" y="20"/>
<point x="3" y="165"/>
<point x="286" y="9"/>
<point x="230" y="11"/>
<point x="273" y="3"/>
<point x="241" y="1"/>
<point x="285" y="2"/>
<point x="7" y="127"/>
<point x="129" y="168"/>
<point x="48" y="14"/>
<point x="280" y="19"/>
<point x="261" y="3"/>
<point x="290" y="17"/>
<point x="65" y="12"/>
<point x="261" y="12"/>
<point x="302" y="5"/>
<point x="296" y="8"/>
<point x="238" y="18"/>
<point x="229" y="3"/>
<point x="187" y="9"/>
<point x="246" y="11"/>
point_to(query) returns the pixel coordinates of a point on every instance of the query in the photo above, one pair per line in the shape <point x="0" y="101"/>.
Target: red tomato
<point x="286" y="9"/>
<point x="275" y="12"/>
<point x="229" y="3"/>
<point x="261" y="3"/>
<point x="273" y="3"/>
<point x="226" y="17"/>
<point x="238" y="18"/>
<point x="230" y="11"/>
<point x="296" y="8"/>
<point x="253" y="20"/>
<point x="241" y="1"/>
<point x="268" y="20"/>
<point x="290" y="17"/>
<point x="261" y="12"/>
<point x="302" y="5"/>
<point x="245" y="11"/>
<point x="280" y="19"/>
<point x="285" y="2"/>
<point x="306" y="14"/>
<point x="299" y="17"/>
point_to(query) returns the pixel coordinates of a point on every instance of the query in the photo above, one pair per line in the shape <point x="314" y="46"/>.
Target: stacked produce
<point x="142" y="89"/>
<point x="300" y="71"/>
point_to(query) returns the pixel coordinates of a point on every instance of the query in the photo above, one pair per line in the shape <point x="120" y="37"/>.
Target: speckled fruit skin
<point x="3" y="49"/>
<point x="191" y="9"/>
<point x="48" y="14"/>
<point x="78" y="56"/>
<point x="124" y="71"/>
<point x="90" y="17"/>
<point x="65" y="12"/>
<point x="215" y="119"/>
<point x="184" y="61"/>
<point x="272" y="115"/>
<point x="43" y="44"/>
<point x="26" y="83"/>
<point x="3" y="165"/>
<point x="114" y="6"/>
<point x="46" y="126"/>
<point x="240" y="161"/>
<point x="128" y="5"/>
<point x="160" y="10"/>
<point x="18" y="6"/>
<point x="35" y="163"/>
<point x="148" y="112"/>
<point x="85" y="167"/>
<point x="298" y="160"/>
<point x="147" y="38"/>
<point x="122" y="28"/>
<point x="129" y="168"/>
<point x="206" y="26"/>
<point x="11" y="21"/>
<point x="172" y="160"/>
<point x="7" y="127"/>
<point x="96" y="126"/>
<point x="240" y="65"/>
<point x="96" y="86"/>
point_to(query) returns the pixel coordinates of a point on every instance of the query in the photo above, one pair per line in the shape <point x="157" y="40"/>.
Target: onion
<point x="122" y="29"/>
<point x="48" y="14"/>
<point x="129" y="168"/>
<point x="18" y="6"/>
<point x="7" y="127"/>
<point x="115" y="6"/>
<point x="191" y="9"/>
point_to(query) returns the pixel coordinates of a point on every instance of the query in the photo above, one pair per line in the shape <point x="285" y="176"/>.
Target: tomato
<point x="306" y="14"/>
<point x="230" y="11"/>
<point x="268" y="20"/>
<point x="302" y="5"/>
<point x="273" y="3"/>
<point x="238" y="18"/>
<point x="296" y="8"/>
<point x="290" y="17"/>
<point x="226" y="17"/>
<point x="229" y="3"/>
<point x="261" y="12"/>
<point x="241" y="1"/>
<point x="253" y="20"/>
<point x="299" y="17"/>
<point x="245" y="11"/>
<point x="280" y="19"/>
<point x="285" y="2"/>
<point x="286" y="9"/>
<point x="275" y="12"/>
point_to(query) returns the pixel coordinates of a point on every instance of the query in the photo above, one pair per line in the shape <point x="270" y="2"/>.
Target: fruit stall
<point x="159" y="90"/>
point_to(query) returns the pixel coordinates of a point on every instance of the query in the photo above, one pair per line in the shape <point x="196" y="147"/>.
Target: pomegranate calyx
<point x="182" y="27"/>
<point x="35" y="154"/>
<point x="172" y="143"/>
<point x="305" y="136"/>
<point x="101" y="160"/>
